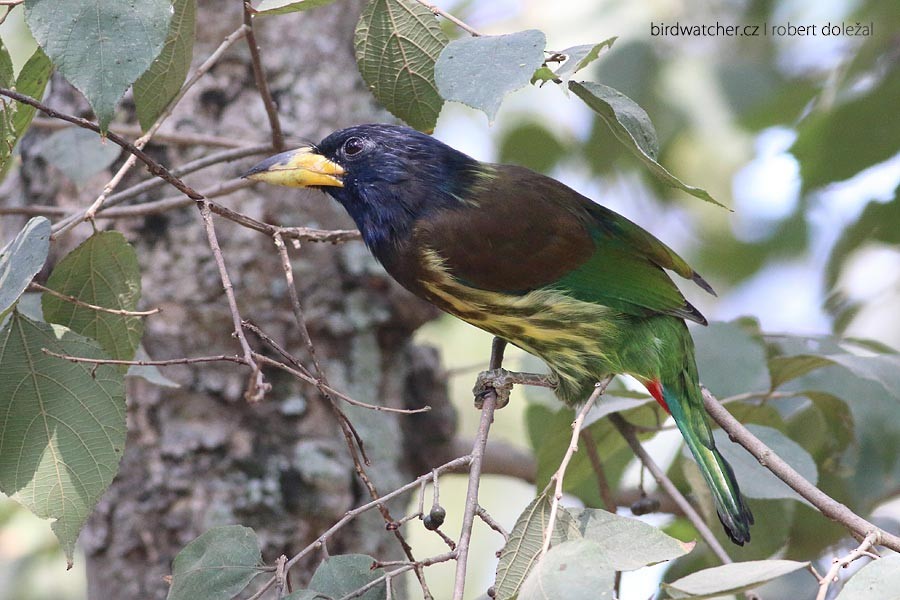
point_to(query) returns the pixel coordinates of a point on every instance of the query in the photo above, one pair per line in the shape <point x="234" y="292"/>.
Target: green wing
<point x="518" y="231"/>
<point x="626" y="270"/>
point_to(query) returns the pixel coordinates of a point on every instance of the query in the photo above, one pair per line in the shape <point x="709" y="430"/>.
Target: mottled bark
<point x="200" y="456"/>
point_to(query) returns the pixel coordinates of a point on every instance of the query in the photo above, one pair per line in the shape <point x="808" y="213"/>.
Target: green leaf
<point x="78" y="153"/>
<point x="825" y="427"/>
<point x="21" y="260"/>
<point x="543" y="74"/>
<point x="632" y="127"/>
<point x="625" y="544"/>
<point x="62" y="424"/>
<point x="525" y="541"/>
<point x="756" y="480"/>
<point x="102" y="271"/>
<point x="100" y="46"/>
<point x="16" y="117"/>
<point x="340" y="575"/>
<point x="280" y="7"/>
<point x="32" y="81"/>
<point x="578" y="57"/>
<point x="550" y="433"/>
<point x="730" y="579"/>
<point x="7" y="75"/>
<point x="397" y="43"/>
<point x="531" y="144"/>
<point x="573" y="570"/>
<point x="480" y="71"/>
<point x="878" y="579"/>
<point x="629" y="122"/>
<point x="836" y="144"/>
<point x="742" y="369"/>
<point x="218" y="564"/>
<point x="159" y="84"/>
<point x="883" y="369"/>
<point x="787" y="368"/>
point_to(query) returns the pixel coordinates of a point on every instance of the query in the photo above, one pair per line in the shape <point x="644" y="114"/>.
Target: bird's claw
<point x="495" y="381"/>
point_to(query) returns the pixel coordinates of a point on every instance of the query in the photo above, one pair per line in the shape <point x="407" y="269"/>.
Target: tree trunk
<point x="200" y="455"/>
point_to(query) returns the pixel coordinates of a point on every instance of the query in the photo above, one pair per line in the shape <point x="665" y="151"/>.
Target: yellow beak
<point x="302" y="167"/>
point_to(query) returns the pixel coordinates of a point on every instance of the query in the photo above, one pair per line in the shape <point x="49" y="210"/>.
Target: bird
<point x="531" y="261"/>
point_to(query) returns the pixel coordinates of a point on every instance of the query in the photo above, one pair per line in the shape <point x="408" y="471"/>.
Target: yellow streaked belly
<point x="578" y="340"/>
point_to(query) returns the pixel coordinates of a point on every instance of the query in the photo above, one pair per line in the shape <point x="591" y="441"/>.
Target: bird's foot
<point x="494" y="381"/>
<point x="500" y="382"/>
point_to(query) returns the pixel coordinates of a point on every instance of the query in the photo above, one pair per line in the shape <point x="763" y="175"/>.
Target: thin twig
<point x="445" y="538"/>
<point x="864" y="549"/>
<point x="449" y="17"/>
<point x="115" y="311"/>
<point x="147" y="363"/>
<point x="350" y="515"/>
<point x="404" y="566"/>
<point x="172" y="203"/>
<point x="67" y="224"/>
<point x="331" y="236"/>
<point x="766" y="395"/>
<point x="491" y="522"/>
<point x="154" y="167"/>
<point x="256" y="384"/>
<point x="296" y="307"/>
<point x="305" y="376"/>
<point x="303" y="234"/>
<point x="166" y="204"/>
<point x="666" y="484"/>
<point x="471" y="505"/>
<point x="557" y="478"/>
<point x="354" y="442"/>
<point x="261" y="82"/>
<point x="827" y="505"/>
<point x="187" y="168"/>
<point x="280" y="577"/>
<point x="590" y="447"/>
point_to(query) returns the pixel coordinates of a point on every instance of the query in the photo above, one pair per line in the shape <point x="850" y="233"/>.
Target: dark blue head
<point x="386" y="176"/>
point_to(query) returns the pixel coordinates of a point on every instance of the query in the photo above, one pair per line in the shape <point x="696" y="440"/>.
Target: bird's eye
<point x="353" y="146"/>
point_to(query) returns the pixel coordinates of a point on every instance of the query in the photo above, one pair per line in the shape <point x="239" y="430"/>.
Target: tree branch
<point x="256" y="384"/>
<point x="147" y="363"/>
<point x="590" y="448"/>
<point x="350" y="434"/>
<point x="88" y="215"/>
<point x="666" y="484"/>
<point x="557" y="478"/>
<point x="262" y="83"/>
<point x="471" y="507"/>
<point x="154" y="167"/>
<point x="828" y="506"/>
<point x="442" y="13"/>
<point x="350" y="515"/>
<point x="864" y="549"/>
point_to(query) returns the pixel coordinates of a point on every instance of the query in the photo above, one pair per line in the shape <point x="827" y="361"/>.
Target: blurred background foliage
<point x="800" y="136"/>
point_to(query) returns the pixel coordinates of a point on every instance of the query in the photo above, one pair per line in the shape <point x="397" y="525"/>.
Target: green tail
<point x="686" y="408"/>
